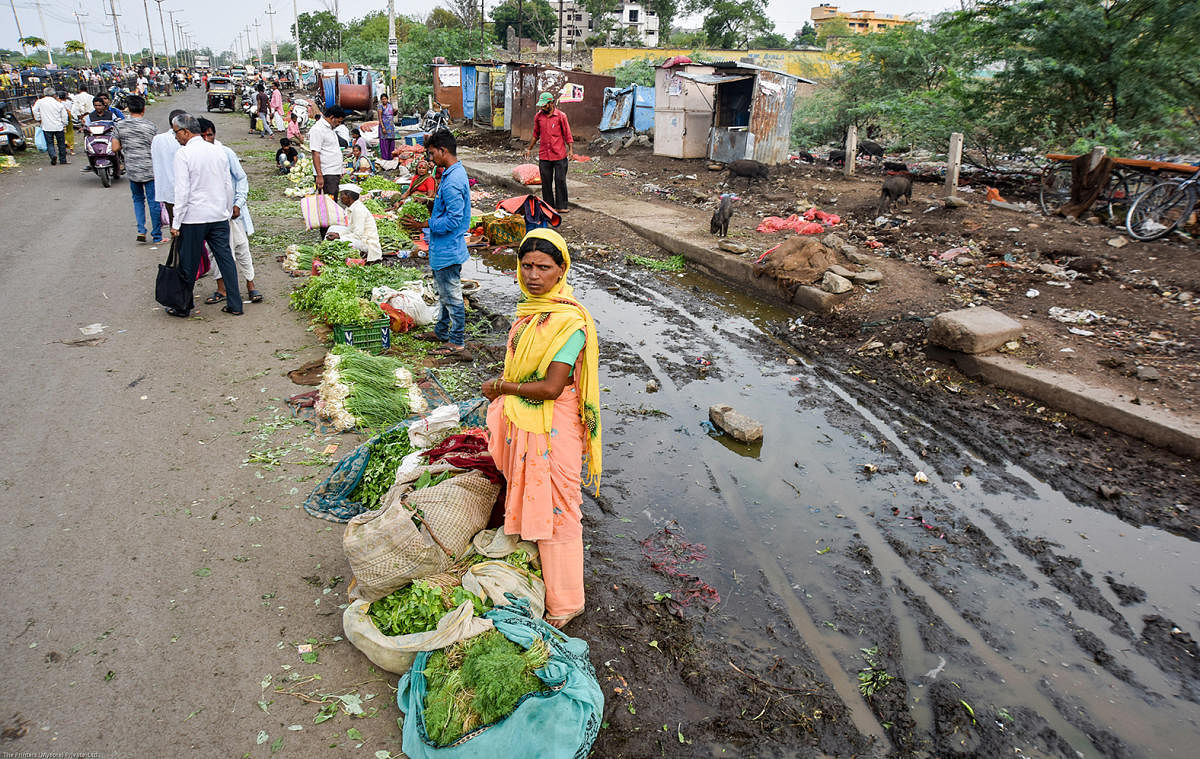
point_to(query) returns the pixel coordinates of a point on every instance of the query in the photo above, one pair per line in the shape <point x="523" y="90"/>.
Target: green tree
<point x="805" y="36"/>
<point x="687" y="39"/>
<point x="831" y="31"/>
<point x="770" y="41"/>
<point x="732" y="23"/>
<point x="440" y="18"/>
<point x="319" y="33"/>
<point x="74" y="46"/>
<point x="538" y="20"/>
<point x="421" y="46"/>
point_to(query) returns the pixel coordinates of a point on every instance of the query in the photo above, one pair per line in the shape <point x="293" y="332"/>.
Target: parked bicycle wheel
<point x="1055" y="189"/>
<point x="1159" y="210"/>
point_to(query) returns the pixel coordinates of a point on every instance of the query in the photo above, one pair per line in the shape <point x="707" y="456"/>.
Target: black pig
<point x="805" y="156"/>
<point x="837" y="157"/>
<point x="720" y="218"/>
<point x="895" y="166"/>
<point x="870" y="149"/>
<point x="745" y="167"/>
<point x="894" y="187"/>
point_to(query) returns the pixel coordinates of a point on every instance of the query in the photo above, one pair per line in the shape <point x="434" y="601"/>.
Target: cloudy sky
<point x="215" y="23"/>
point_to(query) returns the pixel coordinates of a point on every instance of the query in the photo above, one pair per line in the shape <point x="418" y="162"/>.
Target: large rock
<point x="973" y="330"/>
<point x="868" y="277"/>
<point x="738" y="426"/>
<point x="841" y="271"/>
<point x="832" y="283"/>
<point x="862" y="259"/>
<point x="733" y="246"/>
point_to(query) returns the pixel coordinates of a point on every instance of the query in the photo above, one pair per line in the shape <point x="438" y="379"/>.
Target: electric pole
<point x="274" y="49"/>
<point x="520" y="25"/>
<point x="83" y="37"/>
<point x="392" y="51"/>
<point x="560" y="25"/>
<point x="481" y="12"/>
<point x="296" y="27"/>
<point x="163" y="28"/>
<point x="150" y="35"/>
<point x="20" y="34"/>
<point x="258" y="39"/>
<point x="49" y="55"/>
<point x="117" y="29"/>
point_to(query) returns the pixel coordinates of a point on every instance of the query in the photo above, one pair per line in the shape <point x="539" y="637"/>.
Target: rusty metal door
<point x="771" y="117"/>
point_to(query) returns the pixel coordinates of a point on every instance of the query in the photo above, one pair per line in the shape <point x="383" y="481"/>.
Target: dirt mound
<point x="797" y="261"/>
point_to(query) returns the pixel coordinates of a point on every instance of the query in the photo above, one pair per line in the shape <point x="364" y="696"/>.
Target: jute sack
<point x="395" y="653"/>
<point x="387" y="549"/>
<point x="492" y="579"/>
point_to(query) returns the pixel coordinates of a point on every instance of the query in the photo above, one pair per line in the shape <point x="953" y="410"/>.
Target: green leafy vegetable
<point x="478" y="681"/>
<point x="417" y="607"/>
<point x="674" y="263"/>
<point x="415" y="209"/>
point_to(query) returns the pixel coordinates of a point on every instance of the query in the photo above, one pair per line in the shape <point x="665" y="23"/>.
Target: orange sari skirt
<point x="544" y="497"/>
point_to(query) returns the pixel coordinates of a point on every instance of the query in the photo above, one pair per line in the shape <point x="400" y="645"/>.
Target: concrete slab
<point x="675" y="230"/>
<point x="1096" y="404"/>
<point x="973" y="330"/>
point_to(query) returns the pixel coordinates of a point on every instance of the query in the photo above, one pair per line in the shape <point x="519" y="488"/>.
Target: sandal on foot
<point x="214" y="298"/>
<point x="255" y="296"/>
<point x="176" y="312"/>
<point x="560" y="621"/>
<point x="141" y="237"/>
<point x="229" y="310"/>
<point x="453" y="352"/>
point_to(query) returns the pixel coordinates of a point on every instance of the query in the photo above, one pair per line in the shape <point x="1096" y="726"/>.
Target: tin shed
<point x="448" y="89"/>
<point x="581" y="97"/>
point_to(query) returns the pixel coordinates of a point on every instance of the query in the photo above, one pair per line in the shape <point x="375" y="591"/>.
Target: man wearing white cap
<point x="362" y="233"/>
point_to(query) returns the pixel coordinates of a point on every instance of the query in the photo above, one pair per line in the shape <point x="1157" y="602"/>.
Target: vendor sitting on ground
<point x="359" y="163"/>
<point x="362" y="232"/>
<point x="286" y="156"/>
<point x="422" y="182"/>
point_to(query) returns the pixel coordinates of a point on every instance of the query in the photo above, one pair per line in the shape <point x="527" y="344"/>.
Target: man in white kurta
<point x="362" y="232"/>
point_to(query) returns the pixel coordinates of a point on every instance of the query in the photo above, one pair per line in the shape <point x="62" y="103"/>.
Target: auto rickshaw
<point x="221" y="93"/>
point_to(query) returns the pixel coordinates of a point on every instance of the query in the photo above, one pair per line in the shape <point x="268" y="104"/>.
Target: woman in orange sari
<point x="544" y="420"/>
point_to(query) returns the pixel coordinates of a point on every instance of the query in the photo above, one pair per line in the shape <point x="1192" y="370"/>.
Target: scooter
<point x="12" y="137"/>
<point x="102" y="159"/>
<point x="118" y="97"/>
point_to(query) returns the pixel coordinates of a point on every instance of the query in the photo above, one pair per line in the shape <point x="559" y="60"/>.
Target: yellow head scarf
<point x="544" y="324"/>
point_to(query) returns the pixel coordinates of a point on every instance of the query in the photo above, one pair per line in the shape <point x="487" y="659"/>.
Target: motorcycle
<point x="98" y="137"/>
<point x="435" y="121"/>
<point x="118" y="97"/>
<point x="12" y="137"/>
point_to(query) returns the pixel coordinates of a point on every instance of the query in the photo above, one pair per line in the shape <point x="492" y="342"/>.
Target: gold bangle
<point x="519" y="388"/>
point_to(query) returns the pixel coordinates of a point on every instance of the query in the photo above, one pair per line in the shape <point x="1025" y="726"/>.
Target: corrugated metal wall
<point x="584" y="115"/>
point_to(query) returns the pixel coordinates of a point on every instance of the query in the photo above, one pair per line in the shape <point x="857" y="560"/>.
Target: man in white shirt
<point x="327" y="151"/>
<point x="362" y="232"/>
<point x="163" y="148"/>
<point x="241" y="226"/>
<point x="203" y="205"/>
<point x="53" y="116"/>
<point x="81" y="104"/>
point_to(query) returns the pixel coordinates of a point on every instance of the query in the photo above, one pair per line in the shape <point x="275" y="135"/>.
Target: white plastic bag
<point x="277" y="123"/>
<point x="414" y="300"/>
<point x="428" y="432"/>
<point x="395" y="653"/>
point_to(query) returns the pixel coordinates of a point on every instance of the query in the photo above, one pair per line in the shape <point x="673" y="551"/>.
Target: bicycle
<point x="1055" y="190"/>
<point x="1162" y="208"/>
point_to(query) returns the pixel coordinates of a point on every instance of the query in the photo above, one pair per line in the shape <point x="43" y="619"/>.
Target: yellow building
<point x="860" y="22"/>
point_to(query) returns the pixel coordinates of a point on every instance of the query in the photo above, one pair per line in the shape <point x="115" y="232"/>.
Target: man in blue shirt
<point x="448" y="225"/>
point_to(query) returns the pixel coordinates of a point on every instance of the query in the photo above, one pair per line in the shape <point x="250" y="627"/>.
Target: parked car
<point x="221" y="93"/>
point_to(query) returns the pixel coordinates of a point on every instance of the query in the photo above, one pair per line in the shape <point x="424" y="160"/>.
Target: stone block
<point x="738" y="426"/>
<point x="973" y="330"/>
<point x="832" y="283"/>
<point x="868" y="277"/>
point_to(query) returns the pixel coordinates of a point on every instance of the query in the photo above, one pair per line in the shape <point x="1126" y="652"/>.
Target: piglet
<point x="894" y="187"/>
<point x="720" y="218"/>
<point x="745" y="167"/>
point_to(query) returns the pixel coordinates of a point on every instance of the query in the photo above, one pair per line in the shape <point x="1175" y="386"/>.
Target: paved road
<point x="154" y="580"/>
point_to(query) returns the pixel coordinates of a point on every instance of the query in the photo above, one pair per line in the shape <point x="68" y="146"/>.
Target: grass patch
<point x="674" y="263"/>
<point x="256" y="194"/>
<point x="279" y="209"/>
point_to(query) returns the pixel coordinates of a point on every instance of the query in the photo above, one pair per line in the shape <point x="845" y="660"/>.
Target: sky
<point x="215" y="23"/>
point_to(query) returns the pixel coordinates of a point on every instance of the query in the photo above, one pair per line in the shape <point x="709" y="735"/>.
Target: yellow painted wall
<point x="811" y="64"/>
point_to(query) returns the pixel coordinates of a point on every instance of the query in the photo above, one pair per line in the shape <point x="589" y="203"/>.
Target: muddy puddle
<point x="1008" y="616"/>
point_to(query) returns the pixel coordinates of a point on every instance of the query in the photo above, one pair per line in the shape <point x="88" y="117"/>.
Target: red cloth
<point x="467" y="451"/>
<point x="554" y="131"/>
<point x="427" y="185"/>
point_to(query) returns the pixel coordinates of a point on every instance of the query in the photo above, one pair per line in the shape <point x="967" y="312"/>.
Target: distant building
<point x="860" y="22"/>
<point x="577" y="24"/>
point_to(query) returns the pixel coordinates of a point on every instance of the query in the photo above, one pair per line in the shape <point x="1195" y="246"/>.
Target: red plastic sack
<point x="527" y="173"/>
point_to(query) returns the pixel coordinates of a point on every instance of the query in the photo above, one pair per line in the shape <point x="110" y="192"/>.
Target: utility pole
<point x="150" y="35"/>
<point x="49" y="55"/>
<point x="520" y="25"/>
<point x="116" y="29"/>
<point x="296" y="26"/>
<point x="83" y="37"/>
<point x="258" y="39"/>
<point x="392" y="51"/>
<point x="481" y="12"/>
<point x="274" y="48"/>
<point x="20" y="34"/>
<point x="560" y="25"/>
<point x="163" y="28"/>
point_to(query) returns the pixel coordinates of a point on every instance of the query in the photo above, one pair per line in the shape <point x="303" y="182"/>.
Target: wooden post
<point x="1096" y="156"/>
<point x="953" y="164"/>
<point x="851" y="150"/>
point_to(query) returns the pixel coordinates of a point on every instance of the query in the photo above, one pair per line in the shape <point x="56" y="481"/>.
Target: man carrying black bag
<point x="203" y="206"/>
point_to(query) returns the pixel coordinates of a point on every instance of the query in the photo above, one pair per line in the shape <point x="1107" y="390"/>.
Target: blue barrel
<point x="330" y="92"/>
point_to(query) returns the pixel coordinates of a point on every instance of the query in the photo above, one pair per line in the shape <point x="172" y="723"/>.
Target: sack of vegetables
<point x="524" y="690"/>
<point x="394" y="629"/>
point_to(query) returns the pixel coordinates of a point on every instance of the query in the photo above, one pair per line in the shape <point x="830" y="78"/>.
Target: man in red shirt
<point x="550" y="125"/>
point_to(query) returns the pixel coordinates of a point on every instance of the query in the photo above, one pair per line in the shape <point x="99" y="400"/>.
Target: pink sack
<point x="527" y="173"/>
<point x="321" y="211"/>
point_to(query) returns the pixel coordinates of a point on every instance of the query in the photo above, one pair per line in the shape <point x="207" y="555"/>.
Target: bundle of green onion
<point x="375" y="400"/>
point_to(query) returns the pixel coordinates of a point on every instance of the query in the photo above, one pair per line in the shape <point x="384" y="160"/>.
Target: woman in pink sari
<point x="544" y="420"/>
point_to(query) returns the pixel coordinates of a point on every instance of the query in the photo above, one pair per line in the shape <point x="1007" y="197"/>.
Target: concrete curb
<point x="661" y="226"/>
<point x="1096" y="404"/>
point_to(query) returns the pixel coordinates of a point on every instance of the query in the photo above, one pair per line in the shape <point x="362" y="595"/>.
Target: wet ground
<point x="1010" y="611"/>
